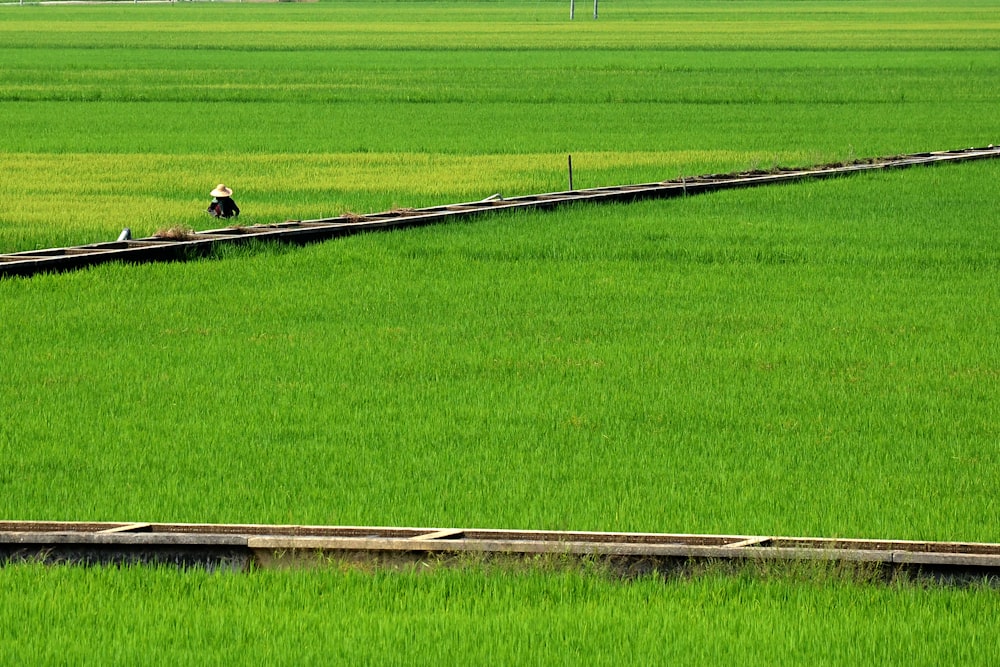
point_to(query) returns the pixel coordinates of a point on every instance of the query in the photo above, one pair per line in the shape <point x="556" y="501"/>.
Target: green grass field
<point x="127" y="116"/>
<point x="476" y="617"/>
<point x="729" y="363"/>
<point x="818" y="359"/>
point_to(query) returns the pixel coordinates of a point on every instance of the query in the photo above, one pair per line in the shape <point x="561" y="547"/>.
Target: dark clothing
<point x="223" y="207"/>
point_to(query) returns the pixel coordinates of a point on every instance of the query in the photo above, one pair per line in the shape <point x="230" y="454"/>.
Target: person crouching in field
<point x="222" y="205"/>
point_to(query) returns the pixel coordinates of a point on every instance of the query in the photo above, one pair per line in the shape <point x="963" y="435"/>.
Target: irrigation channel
<point x="246" y="546"/>
<point x="196" y="244"/>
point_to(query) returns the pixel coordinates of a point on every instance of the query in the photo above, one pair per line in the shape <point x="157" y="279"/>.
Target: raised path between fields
<point x="188" y="245"/>
<point x="247" y="546"/>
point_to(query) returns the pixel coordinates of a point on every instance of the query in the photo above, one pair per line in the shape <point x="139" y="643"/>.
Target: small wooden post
<point x="569" y="160"/>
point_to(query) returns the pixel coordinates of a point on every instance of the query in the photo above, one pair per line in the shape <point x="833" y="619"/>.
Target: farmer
<point x="222" y="205"/>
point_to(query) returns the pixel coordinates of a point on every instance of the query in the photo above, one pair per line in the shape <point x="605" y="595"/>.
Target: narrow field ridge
<point x="245" y="546"/>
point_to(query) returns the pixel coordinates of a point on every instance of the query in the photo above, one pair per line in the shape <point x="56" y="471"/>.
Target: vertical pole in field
<point x="569" y="161"/>
<point x="595" y="10"/>
<point x="572" y="9"/>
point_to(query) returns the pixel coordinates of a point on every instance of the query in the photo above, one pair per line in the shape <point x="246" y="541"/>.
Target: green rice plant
<point x="815" y="359"/>
<point x="528" y="351"/>
<point x="746" y="362"/>
<point x="141" y="614"/>
<point x="124" y="116"/>
<point x="524" y="25"/>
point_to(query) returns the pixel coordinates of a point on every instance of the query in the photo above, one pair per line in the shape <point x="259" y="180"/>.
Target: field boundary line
<point x="248" y="546"/>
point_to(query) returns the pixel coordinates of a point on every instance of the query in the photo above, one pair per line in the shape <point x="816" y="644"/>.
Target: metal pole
<point x="572" y="9"/>
<point x="569" y="160"/>
<point x="595" y="10"/>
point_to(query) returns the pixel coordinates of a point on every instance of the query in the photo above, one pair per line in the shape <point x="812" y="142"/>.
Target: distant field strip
<point x="670" y="25"/>
<point x="119" y="116"/>
<point x="185" y="244"/>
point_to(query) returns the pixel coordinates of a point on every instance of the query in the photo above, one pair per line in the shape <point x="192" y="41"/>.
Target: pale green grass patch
<point x="73" y="199"/>
<point x="522" y="25"/>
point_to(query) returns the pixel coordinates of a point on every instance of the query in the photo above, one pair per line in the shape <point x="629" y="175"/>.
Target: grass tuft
<point x="175" y="233"/>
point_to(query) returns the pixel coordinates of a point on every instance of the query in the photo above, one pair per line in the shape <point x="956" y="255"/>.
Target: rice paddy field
<point x="816" y="359"/>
